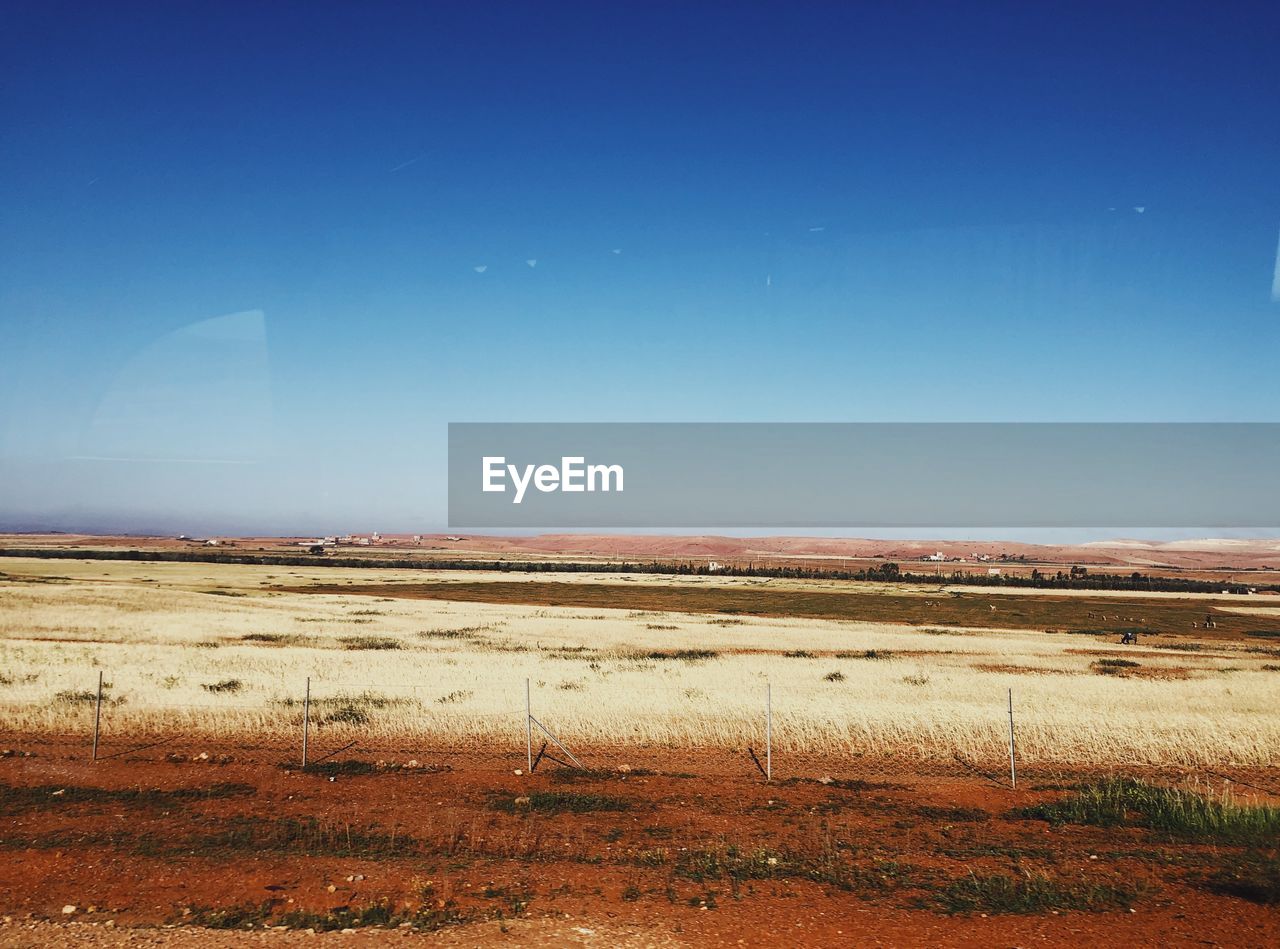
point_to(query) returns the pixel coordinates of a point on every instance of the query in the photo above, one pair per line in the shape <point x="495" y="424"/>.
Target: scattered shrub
<point x="344" y="715"/>
<point x="685" y="655"/>
<point x="271" y="639"/>
<point x="1113" y="667"/>
<point x="463" y="632"/>
<point x="369" y="642"/>
<point x="225" y="685"/>
<point x="87" y="696"/>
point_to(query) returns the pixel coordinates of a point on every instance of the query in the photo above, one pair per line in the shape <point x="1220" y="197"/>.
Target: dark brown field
<point x="1066" y="614"/>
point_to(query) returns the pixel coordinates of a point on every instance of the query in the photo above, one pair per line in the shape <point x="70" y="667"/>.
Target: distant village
<point x="940" y="557"/>
<point x="331" y="540"/>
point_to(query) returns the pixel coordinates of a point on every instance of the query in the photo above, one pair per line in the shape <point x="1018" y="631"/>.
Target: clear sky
<point x="254" y="257"/>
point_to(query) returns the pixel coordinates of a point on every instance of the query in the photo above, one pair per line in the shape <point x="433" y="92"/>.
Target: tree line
<point x="1078" y="578"/>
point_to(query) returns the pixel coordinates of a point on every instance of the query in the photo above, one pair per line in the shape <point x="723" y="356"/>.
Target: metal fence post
<point x="768" y="731"/>
<point x="528" y="727"/>
<point x="97" y="717"/>
<point x="1013" y="767"/>
<point x="306" y="721"/>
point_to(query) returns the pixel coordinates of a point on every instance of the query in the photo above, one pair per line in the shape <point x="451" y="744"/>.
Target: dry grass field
<point x="909" y="677"/>
<point x="1141" y="814"/>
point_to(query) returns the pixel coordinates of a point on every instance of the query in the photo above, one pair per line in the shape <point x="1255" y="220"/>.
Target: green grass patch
<point x="16" y="798"/>
<point x="559" y="802"/>
<point x="1031" y="893"/>
<point x="1173" y="811"/>
<point x="732" y="863"/>
<point x="829" y="865"/>
<point x="380" y="915"/>
<point x="246" y="835"/>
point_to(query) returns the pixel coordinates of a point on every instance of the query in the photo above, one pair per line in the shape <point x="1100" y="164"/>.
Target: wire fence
<point x="521" y="728"/>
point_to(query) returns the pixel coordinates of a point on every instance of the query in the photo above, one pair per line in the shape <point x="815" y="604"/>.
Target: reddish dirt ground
<point x="647" y="858"/>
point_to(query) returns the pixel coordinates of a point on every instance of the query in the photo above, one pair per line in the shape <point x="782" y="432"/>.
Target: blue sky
<point x="811" y="212"/>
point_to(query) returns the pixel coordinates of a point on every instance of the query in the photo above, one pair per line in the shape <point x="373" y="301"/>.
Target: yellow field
<point x="208" y="651"/>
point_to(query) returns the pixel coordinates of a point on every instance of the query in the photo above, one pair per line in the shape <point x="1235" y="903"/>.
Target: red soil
<point x="590" y="878"/>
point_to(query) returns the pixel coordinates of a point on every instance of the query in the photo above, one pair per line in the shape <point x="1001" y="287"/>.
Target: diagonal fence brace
<point x="556" y="741"/>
